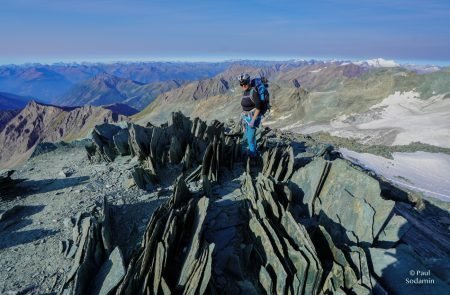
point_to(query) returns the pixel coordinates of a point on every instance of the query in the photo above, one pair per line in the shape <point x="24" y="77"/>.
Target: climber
<point x="251" y="114"/>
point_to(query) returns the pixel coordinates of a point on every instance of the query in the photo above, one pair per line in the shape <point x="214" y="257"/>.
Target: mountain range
<point x="48" y="83"/>
<point x="339" y="97"/>
<point x="108" y="89"/>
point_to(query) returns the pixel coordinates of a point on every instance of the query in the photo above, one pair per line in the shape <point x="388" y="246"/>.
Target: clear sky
<point x="90" y="30"/>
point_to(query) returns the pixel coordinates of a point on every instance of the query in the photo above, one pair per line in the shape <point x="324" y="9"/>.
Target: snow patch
<point x="378" y="63"/>
<point x="316" y="71"/>
<point x="419" y="171"/>
<point x="399" y="119"/>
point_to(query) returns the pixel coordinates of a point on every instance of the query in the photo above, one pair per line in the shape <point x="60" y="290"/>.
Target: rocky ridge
<point x="304" y="221"/>
<point x="40" y="122"/>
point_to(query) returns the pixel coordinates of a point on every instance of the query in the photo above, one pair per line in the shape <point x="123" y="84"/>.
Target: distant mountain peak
<point x="378" y="63"/>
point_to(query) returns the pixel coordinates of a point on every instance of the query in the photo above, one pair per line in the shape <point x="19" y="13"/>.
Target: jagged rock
<point x="195" y="175"/>
<point x="77" y="227"/>
<point x="93" y="246"/>
<point x="141" y="177"/>
<point x="340" y="275"/>
<point x="103" y="147"/>
<point x="139" y="140"/>
<point x="106" y="234"/>
<point x="198" y="128"/>
<point x="188" y="159"/>
<point x="121" y="142"/>
<point x="70" y="249"/>
<point x="158" y="145"/>
<point x="181" y="141"/>
<point x="163" y="266"/>
<point x="279" y="163"/>
<point x="181" y="193"/>
<point x="365" y="280"/>
<point x="107" y="131"/>
<point x="110" y="274"/>
<point x="176" y="152"/>
<point x="308" y="223"/>
<point x="291" y="262"/>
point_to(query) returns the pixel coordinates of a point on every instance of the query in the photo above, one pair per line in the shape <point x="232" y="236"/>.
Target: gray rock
<point x="341" y="274"/>
<point x="176" y="151"/>
<point x="218" y="235"/>
<point x="305" y="183"/>
<point x="66" y="172"/>
<point x="110" y="274"/>
<point x="347" y="201"/>
<point x="394" y="230"/>
<point x="181" y="193"/>
<point x="121" y="142"/>
<point x="401" y="273"/>
<point x="107" y="131"/>
<point x="139" y="141"/>
<point x="141" y="177"/>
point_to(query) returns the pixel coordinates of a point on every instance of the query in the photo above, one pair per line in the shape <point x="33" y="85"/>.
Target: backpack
<point x="261" y="85"/>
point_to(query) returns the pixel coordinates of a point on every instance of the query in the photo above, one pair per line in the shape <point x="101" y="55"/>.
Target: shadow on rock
<point x="10" y="227"/>
<point x="418" y="263"/>
<point x="129" y="221"/>
<point x="29" y="187"/>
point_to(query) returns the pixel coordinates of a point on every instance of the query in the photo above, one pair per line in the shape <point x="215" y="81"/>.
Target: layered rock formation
<point x="39" y="122"/>
<point x="305" y="221"/>
<point x="98" y="264"/>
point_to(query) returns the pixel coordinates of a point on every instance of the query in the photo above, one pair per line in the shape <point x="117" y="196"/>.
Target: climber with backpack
<point x="255" y="104"/>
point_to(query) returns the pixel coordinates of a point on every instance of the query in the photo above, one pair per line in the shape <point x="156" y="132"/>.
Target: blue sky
<point x="90" y="30"/>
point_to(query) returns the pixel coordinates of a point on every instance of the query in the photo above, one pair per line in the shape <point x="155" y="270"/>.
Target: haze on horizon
<point x="102" y="30"/>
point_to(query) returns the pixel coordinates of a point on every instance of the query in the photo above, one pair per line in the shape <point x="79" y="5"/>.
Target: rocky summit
<point x="301" y="221"/>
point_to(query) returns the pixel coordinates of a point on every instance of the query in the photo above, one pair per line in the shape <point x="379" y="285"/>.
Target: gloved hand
<point x="251" y="123"/>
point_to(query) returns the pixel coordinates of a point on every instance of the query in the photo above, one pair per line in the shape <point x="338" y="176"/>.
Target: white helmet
<point x="244" y="79"/>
